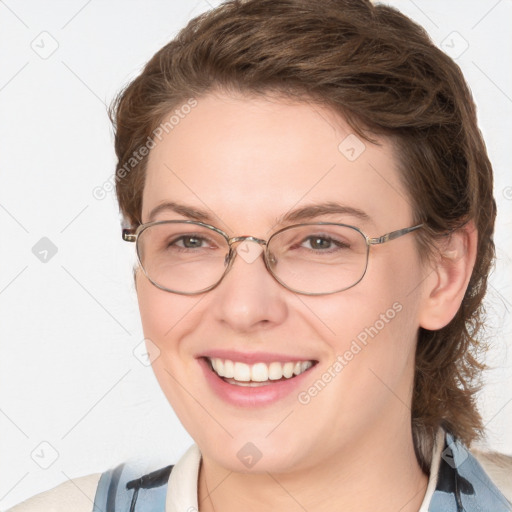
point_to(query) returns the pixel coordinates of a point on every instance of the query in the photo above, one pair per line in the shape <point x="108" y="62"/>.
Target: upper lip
<point x="253" y="357"/>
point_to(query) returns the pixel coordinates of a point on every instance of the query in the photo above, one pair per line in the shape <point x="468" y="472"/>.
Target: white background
<point x="68" y="327"/>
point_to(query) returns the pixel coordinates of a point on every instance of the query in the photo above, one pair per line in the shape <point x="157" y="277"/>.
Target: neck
<point x="380" y="473"/>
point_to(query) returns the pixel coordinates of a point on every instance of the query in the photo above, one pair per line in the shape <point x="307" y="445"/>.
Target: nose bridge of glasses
<point x="237" y="239"/>
<point x="249" y="253"/>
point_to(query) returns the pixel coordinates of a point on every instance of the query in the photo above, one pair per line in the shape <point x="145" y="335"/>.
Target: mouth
<point x="257" y="374"/>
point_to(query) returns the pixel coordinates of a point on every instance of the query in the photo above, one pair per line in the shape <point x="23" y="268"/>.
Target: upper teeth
<point x="259" y="372"/>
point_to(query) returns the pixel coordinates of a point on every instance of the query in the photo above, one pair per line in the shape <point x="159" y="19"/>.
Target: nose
<point x="249" y="298"/>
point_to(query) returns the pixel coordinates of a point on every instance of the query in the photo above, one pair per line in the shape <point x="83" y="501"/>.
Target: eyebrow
<point x="304" y="213"/>
<point x="181" y="209"/>
<point x="316" y="210"/>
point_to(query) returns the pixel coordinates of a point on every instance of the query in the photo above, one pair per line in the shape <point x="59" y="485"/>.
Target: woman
<point x="311" y="203"/>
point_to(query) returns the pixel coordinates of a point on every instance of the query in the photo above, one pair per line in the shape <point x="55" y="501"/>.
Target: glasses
<point x="189" y="257"/>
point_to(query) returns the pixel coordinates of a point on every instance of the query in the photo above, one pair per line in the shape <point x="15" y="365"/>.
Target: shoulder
<point x="122" y="484"/>
<point x="499" y="469"/>
<point x="76" y="495"/>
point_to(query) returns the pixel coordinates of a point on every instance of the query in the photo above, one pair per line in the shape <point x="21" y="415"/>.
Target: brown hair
<point x="381" y="71"/>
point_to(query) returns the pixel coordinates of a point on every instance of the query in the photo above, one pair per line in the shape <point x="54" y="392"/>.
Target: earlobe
<point x="448" y="280"/>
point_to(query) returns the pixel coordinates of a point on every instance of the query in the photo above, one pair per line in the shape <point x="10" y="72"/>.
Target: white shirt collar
<point x="434" y="470"/>
<point x="182" y="485"/>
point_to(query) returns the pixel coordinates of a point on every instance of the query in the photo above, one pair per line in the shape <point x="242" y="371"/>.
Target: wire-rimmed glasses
<point x="189" y="257"/>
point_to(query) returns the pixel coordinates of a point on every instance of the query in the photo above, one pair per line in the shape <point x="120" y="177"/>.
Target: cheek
<point x="160" y="315"/>
<point x="369" y="370"/>
<point x="162" y="312"/>
<point x="371" y="329"/>
<point x="154" y="309"/>
<point x="165" y="317"/>
<point x="365" y="329"/>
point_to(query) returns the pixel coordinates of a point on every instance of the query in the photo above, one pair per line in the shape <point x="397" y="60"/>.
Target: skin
<point x="247" y="161"/>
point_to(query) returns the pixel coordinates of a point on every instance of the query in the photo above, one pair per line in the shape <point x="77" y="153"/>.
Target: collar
<point x="462" y="484"/>
<point x="457" y="482"/>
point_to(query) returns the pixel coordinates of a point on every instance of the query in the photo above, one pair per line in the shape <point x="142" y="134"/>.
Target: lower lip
<point x="245" y="396"/>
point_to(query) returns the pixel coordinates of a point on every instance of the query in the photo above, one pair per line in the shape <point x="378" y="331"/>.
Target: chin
<point x="253" y="454"/>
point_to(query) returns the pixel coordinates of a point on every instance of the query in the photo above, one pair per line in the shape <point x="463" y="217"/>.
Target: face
<point x="245" y="162"/>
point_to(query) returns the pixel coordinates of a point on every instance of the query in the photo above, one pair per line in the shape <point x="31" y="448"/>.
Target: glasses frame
<point x="133" y="234"/>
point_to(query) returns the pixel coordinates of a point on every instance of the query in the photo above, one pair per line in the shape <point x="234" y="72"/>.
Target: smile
<point x="242" y="374"/>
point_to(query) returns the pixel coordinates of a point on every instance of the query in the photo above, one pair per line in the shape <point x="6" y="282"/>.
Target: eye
<point x="318" y="242"/>
<point x="324" y="243"/>
<point x="188" y="242"/>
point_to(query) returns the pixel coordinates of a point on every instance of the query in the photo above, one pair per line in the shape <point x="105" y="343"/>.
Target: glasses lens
<point x="182" y="257"/>
<point x="318" y="258"/>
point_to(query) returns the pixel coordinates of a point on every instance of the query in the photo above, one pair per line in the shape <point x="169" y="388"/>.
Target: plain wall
<point x="69" y="326"/>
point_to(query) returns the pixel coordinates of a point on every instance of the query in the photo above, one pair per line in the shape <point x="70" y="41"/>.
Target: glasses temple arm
<point x="129" y="235"/>
<point x="394" y="234"/>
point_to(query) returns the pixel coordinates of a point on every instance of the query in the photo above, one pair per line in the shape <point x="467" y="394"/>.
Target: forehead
<point x="248" y="161"/>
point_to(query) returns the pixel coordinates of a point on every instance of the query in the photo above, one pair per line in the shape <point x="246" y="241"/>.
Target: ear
<point x="449" y="276"/>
